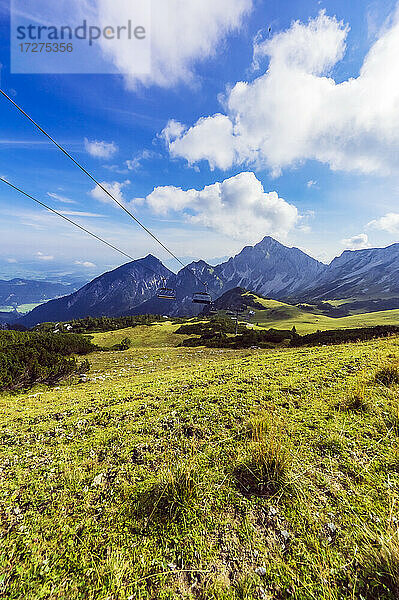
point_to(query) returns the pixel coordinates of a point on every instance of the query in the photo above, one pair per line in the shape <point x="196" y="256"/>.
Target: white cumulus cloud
<point x="114" y="187"/>
<point x="295" y="111"/>
<point x="388" y="223"/>
<point x="357" y="242"/>
<point x="102" y="150"/>
<point x="237" y="207"/>
<point x="183" y="33"/>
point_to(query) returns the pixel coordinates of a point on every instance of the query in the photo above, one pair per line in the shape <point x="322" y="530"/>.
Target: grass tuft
<point x="356" y="400"/>
<point x="266" y="468"/>
<point x="388" y="375"/>
<point x="173" y="496"/>
<point x="380" y="568"/>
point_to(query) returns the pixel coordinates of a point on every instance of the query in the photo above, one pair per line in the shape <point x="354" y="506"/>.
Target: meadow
<point x="285" y="316"/>
<point x="167" y="473"/>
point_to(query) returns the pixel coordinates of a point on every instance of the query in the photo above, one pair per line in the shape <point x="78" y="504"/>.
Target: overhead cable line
<point x="101" y="186"/>
<point x="97" y="237"/>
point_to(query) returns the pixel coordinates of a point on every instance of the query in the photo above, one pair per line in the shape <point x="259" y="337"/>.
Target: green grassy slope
<point x="284" y="316"/>
<point x="155" y="336"/>
<point x="200" y="474"/>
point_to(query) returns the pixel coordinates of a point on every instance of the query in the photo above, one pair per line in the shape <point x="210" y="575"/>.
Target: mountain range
<point x="269" y="268"/>
<point x="25" y="291"/>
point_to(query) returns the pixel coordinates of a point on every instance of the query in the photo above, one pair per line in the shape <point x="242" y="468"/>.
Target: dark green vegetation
<point x="205" y="474"/>
<point x="215" y="334"/>
<point x="339" y="336"/>
<point x="211" y="327"/>
<point x="28" y="358"/>
<point x="100" y="324"/>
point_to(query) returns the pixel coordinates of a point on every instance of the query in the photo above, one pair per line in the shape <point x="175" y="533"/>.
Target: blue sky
<point x="311" y="159"/>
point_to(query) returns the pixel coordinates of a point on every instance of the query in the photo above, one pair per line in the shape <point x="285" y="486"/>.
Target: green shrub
<point x="22" y="366"/>
<point x="339" y="336"/>
<point x="64" y="344"/>
<point x="84" y="367"/>
<point x="29" y="357"/>
<point x="99" y="324"/>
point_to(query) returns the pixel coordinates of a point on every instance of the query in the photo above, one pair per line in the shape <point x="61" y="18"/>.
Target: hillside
<point x="284" y="316"/>
<point x="193" y="473"/>
<point x="274" y="314"/>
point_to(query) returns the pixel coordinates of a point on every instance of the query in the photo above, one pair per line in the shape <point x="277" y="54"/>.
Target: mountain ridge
<point x="268" y="268"/>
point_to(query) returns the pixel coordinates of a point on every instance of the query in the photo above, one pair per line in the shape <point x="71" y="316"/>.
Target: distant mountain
<point x="360" y="274"/>
<point x="112" y="294"/>
<point x="268" y="269"/>
<point x="186" y="283"/>
<point x="8" y="317"/>
<point x="25" y="291"/>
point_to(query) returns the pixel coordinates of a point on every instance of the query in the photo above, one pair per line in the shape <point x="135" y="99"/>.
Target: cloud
<point x="388" y="223"/>
<point x="172" y="131"/>
<point x="78" y="213"/>
<point x="114" y="187"/>
<point x="44" y="257"/>
<point x="237" y="207"/>
<point x="182" y="35"/>
<point x="103" y="150"/>
<point x="357" y="242"/>
<point x="295" y="111"/>
<point x="11" y="261"/>
<point x="85" y="263"/>
<point x="61" y="198"/>
<point x="135" y="163"/>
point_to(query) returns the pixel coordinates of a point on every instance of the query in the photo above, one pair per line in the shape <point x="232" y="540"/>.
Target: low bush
<point x="28" y="358"/>
<point x="64" y="344"/>
<point x="125" y="344"/>
<point x="339" y="336"/>
<point x="213" y="337"/>
<point x="22" y="366"/>
<point x="211" y="328"/>
<point x="246" y="339"/>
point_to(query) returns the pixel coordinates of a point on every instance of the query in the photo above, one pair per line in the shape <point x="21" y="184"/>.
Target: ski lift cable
<point x="97" y="237"/>
<point x="103" y="188"/>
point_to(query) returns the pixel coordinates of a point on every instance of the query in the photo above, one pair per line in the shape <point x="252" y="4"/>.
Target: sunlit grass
<point x="123" y="484"/>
